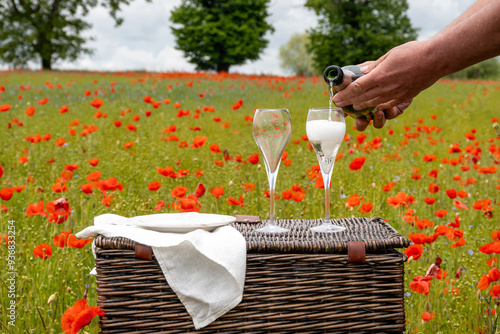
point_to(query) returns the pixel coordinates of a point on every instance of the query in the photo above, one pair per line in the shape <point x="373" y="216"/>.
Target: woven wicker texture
<point x="299" y="282"/>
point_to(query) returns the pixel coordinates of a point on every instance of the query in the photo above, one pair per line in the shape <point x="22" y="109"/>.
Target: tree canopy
<point x="216" y="34"/>
<point x="295" y="57"/>
<point x="47" y="30"/>
<point x="353" y="31"/>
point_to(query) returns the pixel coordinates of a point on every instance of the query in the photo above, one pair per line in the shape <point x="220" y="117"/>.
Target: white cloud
<point x="144" y="41"/>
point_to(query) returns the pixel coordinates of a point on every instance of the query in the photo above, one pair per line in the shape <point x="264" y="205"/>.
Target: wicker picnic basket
<point x="297" y="282"/>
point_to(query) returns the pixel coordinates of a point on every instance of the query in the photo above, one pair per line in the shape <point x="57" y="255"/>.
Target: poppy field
<point x="75" y="145"/>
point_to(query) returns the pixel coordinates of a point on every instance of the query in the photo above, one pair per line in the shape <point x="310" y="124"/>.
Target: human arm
<point x="406" y="70"/>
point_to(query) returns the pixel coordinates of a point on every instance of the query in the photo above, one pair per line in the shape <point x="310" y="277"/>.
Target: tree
<point x="216" y="34"/>
<point x="353" y="31"/>
<point x="295" y="57"/>
<point x="47" y="30"/>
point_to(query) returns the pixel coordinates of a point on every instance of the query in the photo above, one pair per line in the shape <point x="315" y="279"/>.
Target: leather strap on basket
<point x="356" y="252"/>
<point x="143" y="252"/>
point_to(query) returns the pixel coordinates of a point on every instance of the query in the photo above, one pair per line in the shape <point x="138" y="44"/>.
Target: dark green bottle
<point x="339" y="78"/>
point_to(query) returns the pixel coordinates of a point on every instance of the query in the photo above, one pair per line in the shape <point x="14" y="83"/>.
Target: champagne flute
<point x="272" y="129"/>
<point x="325" y="129"/>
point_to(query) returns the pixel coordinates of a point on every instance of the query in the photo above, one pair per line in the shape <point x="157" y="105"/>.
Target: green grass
<point x="459" y="107"/>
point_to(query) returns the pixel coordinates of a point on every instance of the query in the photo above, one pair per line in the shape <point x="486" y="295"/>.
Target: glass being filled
<point x="325" y="128"/>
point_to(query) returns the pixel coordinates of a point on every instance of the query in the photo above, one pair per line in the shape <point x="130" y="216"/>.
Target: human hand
<point x="391" y="81"/>
<point x="381" y="116"/>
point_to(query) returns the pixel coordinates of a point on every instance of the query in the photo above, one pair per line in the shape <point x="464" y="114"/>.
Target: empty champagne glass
<point x="325" y="129"/>
<point x="272" y="129"/>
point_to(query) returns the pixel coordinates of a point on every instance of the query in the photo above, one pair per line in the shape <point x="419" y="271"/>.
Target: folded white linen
<point x="205" y="269"/>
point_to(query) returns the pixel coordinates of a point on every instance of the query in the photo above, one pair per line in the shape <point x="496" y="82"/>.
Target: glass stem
<point x="272" y="196"/>
<point x="326" y="181"/>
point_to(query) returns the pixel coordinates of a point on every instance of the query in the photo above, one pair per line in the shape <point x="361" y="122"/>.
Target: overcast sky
<point x="144" y="40"/>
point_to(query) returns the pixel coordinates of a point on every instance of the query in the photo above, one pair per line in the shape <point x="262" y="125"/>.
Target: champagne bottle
<point x="339" y="78"/>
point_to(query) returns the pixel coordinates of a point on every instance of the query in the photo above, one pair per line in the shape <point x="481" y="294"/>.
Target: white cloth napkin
<point x="205" y="269"/>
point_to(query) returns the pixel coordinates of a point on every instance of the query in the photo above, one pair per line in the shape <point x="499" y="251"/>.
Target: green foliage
<point x="295" y="57"/>
<point x="47" y="30"/>
<point x="353" y="31"/>
<point x="488" y="69"/>
<point x="215" y="34"/>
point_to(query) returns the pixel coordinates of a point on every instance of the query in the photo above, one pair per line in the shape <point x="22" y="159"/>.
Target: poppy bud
<point x="231" y="183"/>
<point x="410" y="259"/>
<point x="427" y="306"/>
<point x="478" y="294"/>
<point x="68" y="289"/>
<point x="52" y="298"/>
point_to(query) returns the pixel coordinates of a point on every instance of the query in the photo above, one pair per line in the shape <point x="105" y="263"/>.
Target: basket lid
<point x="374" y="232"/>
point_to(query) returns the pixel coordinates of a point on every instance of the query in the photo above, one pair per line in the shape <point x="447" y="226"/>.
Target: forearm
<point x="473" y="39"/>
<point x="476" y="6"/>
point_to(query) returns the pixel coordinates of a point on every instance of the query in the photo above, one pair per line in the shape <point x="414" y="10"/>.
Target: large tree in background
<point x="295" y="57"/>
<point x="47" y="30"/>
<point x="216" y="34"/>
<point x="353" y="31"/>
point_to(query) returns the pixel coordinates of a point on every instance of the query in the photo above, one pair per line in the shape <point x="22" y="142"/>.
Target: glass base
<point x="327" y="228"/>
<point x="272" y="229"/>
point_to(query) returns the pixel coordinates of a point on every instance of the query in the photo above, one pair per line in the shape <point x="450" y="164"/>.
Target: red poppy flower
<point x="495" y="291"/>
<point x="154" y="186"/>
<point x="36" y="209"/>
<point x="43" y="101"/>
<point x="63" y="109"/>
<point x="429" y="157"/>
<point x="400" y="199"/>
<point x="357" y="163"/>
<point x="484" y="282"/>
<point x="430" y="200"/>
<point x="87" y="188"/>
<point x="128" y="145"/>
<point x="434" y="188"/>
<point x="494" y="274"/>
<point x="160" y="205"/>
<point x="167" y="171"/>
<point x="214" y="148"/>
<point x="426" y="316"/>
<point x="217" y="191"/>
<point x="60" y="142"/>
<point x="78" y="316"/>
<point x="96" y="103"/>
<point x="93" y="162"/>
<point x="366" y="207"/>
<point x="4" y="107"/>
<point x="452" y="193"/>
<point x="353" y="200"/>
<point x="199" y="141"/>
<point x="179" y="191"/>
<point x="110" y="184"/>
<point x="200" y="190"/>
<point x="42" y="251"/>
<point x="420" y="284"/>
<point x="131" y="128"/>
<point x="30" y="111"/>
<point x="460" y="205"/>
<point x="253" y="159"/>
<point x="415" y="251"/>
<point x="459" y="243"/>
<point x="388" y="186"/>
<point x="249" y="186"/>
<point x="61" y="239"/>
<point x="440" y="213"/>
<point x="74" y="242"/>
<point x="6" y="194"/>
<point x="234" y="201"/>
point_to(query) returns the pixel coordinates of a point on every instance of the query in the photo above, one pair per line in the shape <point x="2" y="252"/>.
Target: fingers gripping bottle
<point x="339" y="78"/>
